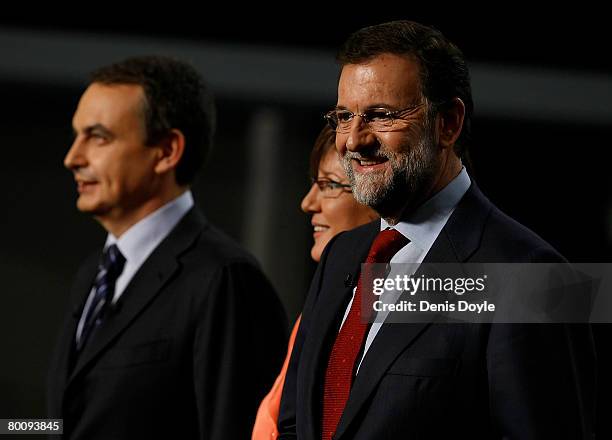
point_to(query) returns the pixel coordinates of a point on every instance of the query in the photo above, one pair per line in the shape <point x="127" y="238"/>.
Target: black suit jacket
<point x="193" y="345"/>
<point x="441" y="381"/>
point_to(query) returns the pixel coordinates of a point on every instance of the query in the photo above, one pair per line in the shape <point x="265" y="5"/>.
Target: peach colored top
<point x="265" y="424"/>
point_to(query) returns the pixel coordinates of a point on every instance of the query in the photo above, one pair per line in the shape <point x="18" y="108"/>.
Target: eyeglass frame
<point x="333" y="123"/>
<point x="341" y="186"/>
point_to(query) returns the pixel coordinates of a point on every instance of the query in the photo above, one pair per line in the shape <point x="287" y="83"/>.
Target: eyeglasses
<point x="377" y="119"/>
<point x="330" y="189"/>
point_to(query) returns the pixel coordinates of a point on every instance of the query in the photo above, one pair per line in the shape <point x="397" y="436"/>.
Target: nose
<point x="358" y="137"/>
<point x="75" y="158"/>
<point x="310" y="203"/>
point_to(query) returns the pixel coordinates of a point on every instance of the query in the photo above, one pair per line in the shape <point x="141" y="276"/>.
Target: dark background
<point x="543" y="97"/>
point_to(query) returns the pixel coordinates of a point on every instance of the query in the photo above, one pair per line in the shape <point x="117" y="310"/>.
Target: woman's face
<point x="332" y="215"/>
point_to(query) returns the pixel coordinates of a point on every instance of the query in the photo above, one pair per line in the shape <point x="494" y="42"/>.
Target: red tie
<point x="339" y="373"/>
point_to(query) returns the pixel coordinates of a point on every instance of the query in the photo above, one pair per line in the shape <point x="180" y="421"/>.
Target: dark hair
<point x="326" y="141"/>
<point x="444" y="74"/>
<point x="176" y="97"/>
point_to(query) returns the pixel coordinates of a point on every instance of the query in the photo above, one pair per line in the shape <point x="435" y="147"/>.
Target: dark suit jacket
<point x="442" y="381"/>
<point x="194" y="344"/>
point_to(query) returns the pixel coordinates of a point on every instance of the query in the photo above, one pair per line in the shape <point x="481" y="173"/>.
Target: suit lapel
<point x="144" y="287"/>
<point x="465" y="227"/>
<point x="459" y="238"/>
<point x="62" y="365"/>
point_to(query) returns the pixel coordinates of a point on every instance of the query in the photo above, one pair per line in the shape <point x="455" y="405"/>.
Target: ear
<point x="171" y="150"/>
<point x="450" y="122"/>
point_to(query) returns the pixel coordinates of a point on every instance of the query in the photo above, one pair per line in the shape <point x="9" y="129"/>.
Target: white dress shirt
<point x="139" y="241"/>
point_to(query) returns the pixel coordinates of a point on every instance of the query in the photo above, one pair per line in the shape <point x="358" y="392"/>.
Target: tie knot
<point x="385" y="245"/>
<point x="112" y="261"/>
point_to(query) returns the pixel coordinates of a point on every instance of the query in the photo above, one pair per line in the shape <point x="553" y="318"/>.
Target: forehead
<point x="386" y="79"/>
<point x="109" y="105"/>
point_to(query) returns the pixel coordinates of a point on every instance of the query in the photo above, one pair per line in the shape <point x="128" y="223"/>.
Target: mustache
<point x="377" y="153"/>
<point x="85" y="175"/>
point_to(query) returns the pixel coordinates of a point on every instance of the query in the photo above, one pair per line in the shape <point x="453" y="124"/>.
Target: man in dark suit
<point x="402" y="124"/>
<point x="173" y="331"/>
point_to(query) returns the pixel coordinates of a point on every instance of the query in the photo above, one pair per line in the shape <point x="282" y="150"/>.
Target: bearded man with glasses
<point x="402" y="122"/>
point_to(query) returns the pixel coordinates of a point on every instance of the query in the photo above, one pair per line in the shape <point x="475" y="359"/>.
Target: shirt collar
<point x="139" y="240"/>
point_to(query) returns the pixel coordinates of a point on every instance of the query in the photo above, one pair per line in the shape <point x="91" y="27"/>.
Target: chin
<point x="89" y="207"/>
<point x="315" y="254"/>
<point x="84" y="206"/>
<point x="317" y="249"/>
<point x="320" y="244"/>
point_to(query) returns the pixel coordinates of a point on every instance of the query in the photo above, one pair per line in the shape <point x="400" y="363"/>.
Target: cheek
<point x="131" y="174"/>
<point x="115" y="176"/>
<point x="340" y="213"/>
<point x="132" y="166"/>
<point x="121" y="181"/>
<point x="397" y="142"/>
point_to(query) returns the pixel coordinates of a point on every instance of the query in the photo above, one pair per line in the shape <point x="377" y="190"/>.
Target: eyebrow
<point x="94" y="128"/>
<point x="370" y="107"/>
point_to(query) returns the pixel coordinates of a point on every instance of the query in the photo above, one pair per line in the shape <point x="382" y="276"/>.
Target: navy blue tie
<point x="110" y="267"/>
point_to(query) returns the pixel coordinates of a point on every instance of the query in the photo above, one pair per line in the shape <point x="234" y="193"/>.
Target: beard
<point x="405" y="182"/>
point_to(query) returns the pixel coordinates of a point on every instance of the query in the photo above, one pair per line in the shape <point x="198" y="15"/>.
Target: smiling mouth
<point x="369" y="164"/>
<point x="319" y="229"/>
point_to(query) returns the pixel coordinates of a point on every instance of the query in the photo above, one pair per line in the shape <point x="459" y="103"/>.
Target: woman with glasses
<point x="333" y="210"/>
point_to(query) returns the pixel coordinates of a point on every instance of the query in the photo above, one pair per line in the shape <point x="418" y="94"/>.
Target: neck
<point x="117" y="223"/>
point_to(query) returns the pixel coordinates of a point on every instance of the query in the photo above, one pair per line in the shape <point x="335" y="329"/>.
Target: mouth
<point x="84" y="186"/>
<point x="319" y="229"/>
<point x="369" y="164"/>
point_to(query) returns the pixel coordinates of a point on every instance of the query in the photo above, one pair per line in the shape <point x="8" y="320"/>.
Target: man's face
<point x="113" y="168"/>
<point x="393" y="168"/>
